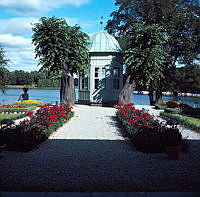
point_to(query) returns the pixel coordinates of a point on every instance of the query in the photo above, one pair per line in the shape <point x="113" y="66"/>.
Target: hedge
<point x="189" y="122"/>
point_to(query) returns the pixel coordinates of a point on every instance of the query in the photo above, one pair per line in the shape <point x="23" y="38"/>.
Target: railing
<point x="83" y="95"/>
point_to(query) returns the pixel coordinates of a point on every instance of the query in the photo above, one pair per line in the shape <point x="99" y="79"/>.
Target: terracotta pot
<point x="2" y="150"/>
<point x="173" y="152"/>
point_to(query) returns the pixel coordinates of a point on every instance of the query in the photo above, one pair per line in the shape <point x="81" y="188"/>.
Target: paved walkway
<point x="90" y="154"/>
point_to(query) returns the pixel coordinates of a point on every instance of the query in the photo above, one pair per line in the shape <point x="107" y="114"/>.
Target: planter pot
<point x="173" y="152"/>
<point x="2" y="147"/>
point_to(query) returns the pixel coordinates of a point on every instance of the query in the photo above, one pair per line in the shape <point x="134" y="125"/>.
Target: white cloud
<point x="19" y="51"/>
<point x="30" y="7"/>
<point x="17" y="26"/>
<point x="15" y="42"/>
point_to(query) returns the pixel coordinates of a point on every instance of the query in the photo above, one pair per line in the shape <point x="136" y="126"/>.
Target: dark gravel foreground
<point x="77" y="159"/>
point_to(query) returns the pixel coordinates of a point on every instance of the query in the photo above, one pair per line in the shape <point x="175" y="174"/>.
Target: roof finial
<point x="101" y="22"/>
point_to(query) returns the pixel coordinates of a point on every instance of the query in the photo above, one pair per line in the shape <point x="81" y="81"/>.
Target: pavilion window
<point x="116" y="75"/>
<point x="84" y="83"/>
<point x="96" y="72"/>
<point x="96" y="83"/>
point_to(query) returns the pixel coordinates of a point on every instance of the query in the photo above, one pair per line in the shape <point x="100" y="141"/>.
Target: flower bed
<point x="16" y="108"/>
<point x="144" y="130"/>
<point x="29" y="102"/>
<point x="41" y="124"/>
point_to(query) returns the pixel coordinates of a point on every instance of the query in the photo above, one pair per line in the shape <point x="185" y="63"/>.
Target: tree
<point x="144" y="59"/>
<point x="3" y="63"/>
<point x="61" y="49"/>
<point x="180" y="19"/>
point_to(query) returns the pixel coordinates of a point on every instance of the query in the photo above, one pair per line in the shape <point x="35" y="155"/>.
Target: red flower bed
<point x="30" y="132"/>
<point x="143" y="129"/>
<point x="13" y="106"/>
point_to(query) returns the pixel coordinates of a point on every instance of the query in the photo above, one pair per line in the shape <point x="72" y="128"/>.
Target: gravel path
<point x="90" y="154"/>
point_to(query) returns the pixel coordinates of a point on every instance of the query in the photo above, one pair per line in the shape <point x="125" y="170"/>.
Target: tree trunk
<point x="67" y="89"/>
<point x="126" y="94"/>
<point x="151" y="97"/>
<point x="158" y="94"/>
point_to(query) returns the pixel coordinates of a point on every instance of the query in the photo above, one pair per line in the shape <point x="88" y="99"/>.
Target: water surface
<point x="51" y="96"/>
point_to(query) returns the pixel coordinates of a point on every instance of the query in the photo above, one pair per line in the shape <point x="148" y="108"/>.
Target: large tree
<point x="3" y="63"/>
<point x="145" y="60"/>
<point x="61" y="48"/>
<point x="180" y="19"/>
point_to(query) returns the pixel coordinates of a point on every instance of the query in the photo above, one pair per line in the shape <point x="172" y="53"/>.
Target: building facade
<point x="105" y="78"/>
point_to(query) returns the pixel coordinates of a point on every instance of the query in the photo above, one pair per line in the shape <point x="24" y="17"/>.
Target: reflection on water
<point x="51" y="96"/>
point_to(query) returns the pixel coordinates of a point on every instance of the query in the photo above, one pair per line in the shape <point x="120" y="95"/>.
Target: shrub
<point x="172" y="110"/>
<point x="189" y="122"/>
<point x="29" y="133"/>
<point x="172" y="104"/>
<point x="188" y="110"/>
<point x="171" y="136"/>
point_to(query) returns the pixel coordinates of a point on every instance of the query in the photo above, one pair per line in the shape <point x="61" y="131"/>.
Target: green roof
<point x="103" y="42"/>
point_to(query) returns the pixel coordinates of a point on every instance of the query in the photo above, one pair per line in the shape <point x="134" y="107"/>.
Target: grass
<point x="12" y="116"/>
<point x="189" y="122"/>
<point x="194" y="120"/>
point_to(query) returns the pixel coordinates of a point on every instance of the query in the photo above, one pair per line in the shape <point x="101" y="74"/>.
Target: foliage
<point x="147" y="133"/>
<point x="62" y="51"/>
<point x="181" y="22"/>
<point x="180" y="18"/>
<point x="172" y="104"/>
<point x="31" y="132"/>
<point x="171" y="136"/>
<point x="16" y="108"/>
<point x="173" y="110"/>
<point x="145" y="52"/>
<point x="33" y="79"/>
<point x="3" y="62"/>
<point x="56" y="44"/>
<point x="29" y="102"/>
<point x="190" y="111"/>
<point x="185" y="79"/>
<point x="189" y="122"/>
<point x="11" y="116"/>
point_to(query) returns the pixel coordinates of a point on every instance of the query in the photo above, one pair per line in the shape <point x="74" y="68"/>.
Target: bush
<point x="29" y="133"/>
<point x="188" y="110"/>
<point x="172" y="104"/>
<point x="189" y="122"/>
<point x="148" y="140"/>
<point x="144" y="130"/>
<point x="172" y="110"/>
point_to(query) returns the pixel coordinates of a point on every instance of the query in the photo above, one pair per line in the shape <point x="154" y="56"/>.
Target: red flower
<point x="145" y="115"/>
<point x="29" y="113"/>
<point x="132" y="121"/>
<point x="40" y="127"/>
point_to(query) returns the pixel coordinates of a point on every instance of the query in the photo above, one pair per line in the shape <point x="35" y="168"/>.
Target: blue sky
<point x="16" y="17"/>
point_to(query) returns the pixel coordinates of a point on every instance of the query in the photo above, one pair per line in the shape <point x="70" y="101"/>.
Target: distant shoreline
<point x="171" y="94"/>
<point x="41" y="88"/>
<point x="136" y="92"/>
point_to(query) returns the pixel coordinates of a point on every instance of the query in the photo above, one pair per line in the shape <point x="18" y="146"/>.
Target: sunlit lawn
<point x="194" y="120"/>
<point x="12" y="116"/>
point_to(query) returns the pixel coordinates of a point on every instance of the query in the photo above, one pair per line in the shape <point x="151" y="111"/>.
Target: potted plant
<point x="172" y="140"/>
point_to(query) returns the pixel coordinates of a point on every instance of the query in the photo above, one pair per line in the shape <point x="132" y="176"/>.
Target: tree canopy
<point x="180" y="18"/>
<point x="61" y="48"/>
<point x="145" y="58"/>
<point x="58" y="44"/>
<point x="3" y="63"/>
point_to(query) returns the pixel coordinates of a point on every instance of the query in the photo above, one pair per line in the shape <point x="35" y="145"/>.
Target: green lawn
<point x="12" y="116"/>
<point x="194" y="120"/>
<point x="187" y="121"/>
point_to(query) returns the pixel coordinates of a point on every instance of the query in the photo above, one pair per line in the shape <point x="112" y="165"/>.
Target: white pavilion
<point x="105" y="78"/>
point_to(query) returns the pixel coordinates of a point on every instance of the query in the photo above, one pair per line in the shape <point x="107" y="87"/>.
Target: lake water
<point x="51" y="96"/>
